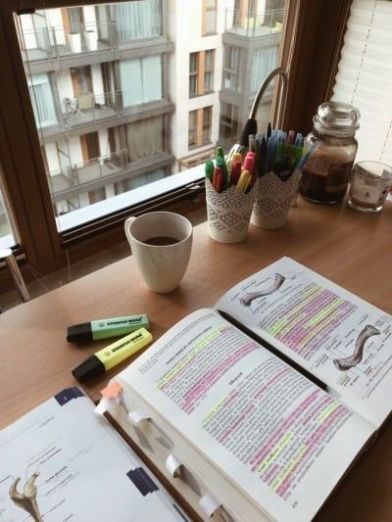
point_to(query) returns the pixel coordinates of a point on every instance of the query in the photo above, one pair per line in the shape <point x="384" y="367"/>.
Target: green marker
<point x="209" y="169"/>
<point x="105" y="328"/>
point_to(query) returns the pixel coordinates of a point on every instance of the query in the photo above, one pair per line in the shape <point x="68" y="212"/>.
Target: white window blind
<point x="364" y="77"/>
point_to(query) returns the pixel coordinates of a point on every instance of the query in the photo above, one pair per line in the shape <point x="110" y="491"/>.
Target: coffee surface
<point x="161" y="241"/>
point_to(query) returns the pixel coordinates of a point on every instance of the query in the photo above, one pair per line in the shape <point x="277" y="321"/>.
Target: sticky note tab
<point x="138" y="417"/>
<point x="173" y="466"/>
<point x="209" y="505"/>
<point x="112" y="391"/>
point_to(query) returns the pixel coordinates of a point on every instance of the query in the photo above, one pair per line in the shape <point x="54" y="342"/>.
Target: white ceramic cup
<point x="163" y="266"/>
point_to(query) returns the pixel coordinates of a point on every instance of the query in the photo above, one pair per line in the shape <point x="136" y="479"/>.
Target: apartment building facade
<point x="125" y="94"/>
<point x="97" y="78"/>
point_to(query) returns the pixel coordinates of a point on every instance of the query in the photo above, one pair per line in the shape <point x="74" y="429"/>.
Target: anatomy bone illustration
<point x="28" y="499"/>
<point x="345" y="363"/>
<point x="278" y="282"/>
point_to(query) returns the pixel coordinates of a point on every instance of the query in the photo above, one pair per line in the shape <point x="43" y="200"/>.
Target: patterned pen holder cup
<point x="229" y="213"/>
<point x="274" y="198"/>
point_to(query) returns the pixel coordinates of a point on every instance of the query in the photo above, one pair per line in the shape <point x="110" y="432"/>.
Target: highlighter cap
<point x="249" y="162"/>
<point x="90" y="368"/>
<point x="79" y="333"/>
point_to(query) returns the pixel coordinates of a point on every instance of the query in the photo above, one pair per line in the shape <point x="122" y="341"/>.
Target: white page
<point x="338" y="337"/>
<point x="281" y="438"/>
<point x="82" y="466"/>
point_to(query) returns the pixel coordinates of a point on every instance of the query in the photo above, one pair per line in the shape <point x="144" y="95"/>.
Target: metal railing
<point x="48" y="43"/>
<point x="89" y="107"/>
<point x="88" y="171"/>
<point x="253" y="25"/>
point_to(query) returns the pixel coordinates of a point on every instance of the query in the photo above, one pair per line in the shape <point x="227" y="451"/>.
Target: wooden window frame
<point x="312" y="51"/>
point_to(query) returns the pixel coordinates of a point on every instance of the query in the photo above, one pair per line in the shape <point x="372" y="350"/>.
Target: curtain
<point x="152" y="78"/>
<point x="42" y="100"/>
<point x="145" y="138"/>
<point x="364" y="77"/>
<point x="264" y="60"/>
<point x="141" y="80"/>
<point x="139" y="19"/>
<point x="131" y="82"/>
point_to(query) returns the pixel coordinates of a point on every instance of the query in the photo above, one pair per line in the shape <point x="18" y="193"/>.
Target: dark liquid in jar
<point x="326" y="187"/>
<point x="161" y="241"/>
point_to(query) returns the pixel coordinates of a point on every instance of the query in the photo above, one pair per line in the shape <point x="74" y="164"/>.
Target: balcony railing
<point x="89" y="171"/>
<point x="52" y="42"/>
<point x="90" y="107"/>
<point x="254" y="25"/>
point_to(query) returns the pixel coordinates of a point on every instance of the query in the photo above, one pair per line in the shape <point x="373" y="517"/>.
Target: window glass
<point x="210" y="9"/>
<point x="192" y="129"/>
<point x="207" y="116"/>
<point x="123" y="93"/>
<point x="7" y="232"/>
<point x="193" y="59"/>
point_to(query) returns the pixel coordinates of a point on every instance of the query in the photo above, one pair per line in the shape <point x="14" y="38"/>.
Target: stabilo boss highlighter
<point x="105" y="328"/>
<point x="107" y="358"/>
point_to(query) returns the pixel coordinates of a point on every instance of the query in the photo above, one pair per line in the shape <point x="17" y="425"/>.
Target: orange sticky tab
<point x="112" y="390"/>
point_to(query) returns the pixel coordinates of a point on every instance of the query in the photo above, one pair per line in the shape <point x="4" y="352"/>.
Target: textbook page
<point x="63" y="462"/>
<point x="338" y="337"/>
<point x="282" y="439"/>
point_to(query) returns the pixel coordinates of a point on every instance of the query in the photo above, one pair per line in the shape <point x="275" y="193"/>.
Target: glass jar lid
<point x="336" y="119"/>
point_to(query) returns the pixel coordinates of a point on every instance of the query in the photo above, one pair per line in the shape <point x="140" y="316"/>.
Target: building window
<point x="42" y="100"/>
<point x="207" y="118"/>
<point x="199" y="127"/>
<point x="145" y="138"/>
<point x="201" y="73"/>
<point x="231" y="68"/>
<point x="228" y="129"/>
<point x="193" y="74"/>
<point x="192" y="142"/>
<point x="209" y="17"/>
<point x="139" y="20"/>
<point x="264" y="60"/>
<point x="141" y="80"/>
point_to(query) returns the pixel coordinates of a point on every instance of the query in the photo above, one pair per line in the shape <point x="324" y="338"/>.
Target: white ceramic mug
<point x="162" y="266"/>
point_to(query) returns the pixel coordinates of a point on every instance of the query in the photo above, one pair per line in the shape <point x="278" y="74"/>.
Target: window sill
<point x="7" y="241"/>
<point x="127" y="200"/>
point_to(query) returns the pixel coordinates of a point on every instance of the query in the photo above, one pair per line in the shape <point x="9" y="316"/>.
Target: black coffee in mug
<point x="161" y="241"/>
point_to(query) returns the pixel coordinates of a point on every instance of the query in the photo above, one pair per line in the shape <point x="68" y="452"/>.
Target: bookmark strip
<point x="173" y="466"/>
<point x="209" y="505"/>
<point x="138" y="417"/>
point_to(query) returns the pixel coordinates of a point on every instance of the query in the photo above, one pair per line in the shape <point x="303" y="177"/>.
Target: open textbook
<point x="63" y="462"/>
<point x="270" y="425"/>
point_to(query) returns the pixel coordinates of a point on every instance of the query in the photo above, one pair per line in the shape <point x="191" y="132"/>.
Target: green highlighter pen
<point x="105" y="328"/>
<point x="107" y="358"/>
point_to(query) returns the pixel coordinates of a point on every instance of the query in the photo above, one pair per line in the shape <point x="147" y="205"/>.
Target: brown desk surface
<point x="352" y="249"/>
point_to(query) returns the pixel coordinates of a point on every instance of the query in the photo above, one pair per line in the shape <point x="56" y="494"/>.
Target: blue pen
<point x="305" y="158"/>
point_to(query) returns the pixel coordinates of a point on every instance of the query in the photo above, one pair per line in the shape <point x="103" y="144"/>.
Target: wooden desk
<point x="352" y="249"/>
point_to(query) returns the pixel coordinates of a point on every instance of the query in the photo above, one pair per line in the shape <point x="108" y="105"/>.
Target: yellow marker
<point x="244" y="181"/>
<point x="114" y="354"/>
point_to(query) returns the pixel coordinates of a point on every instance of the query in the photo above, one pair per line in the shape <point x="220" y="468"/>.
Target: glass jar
<point x="326" y="174"/>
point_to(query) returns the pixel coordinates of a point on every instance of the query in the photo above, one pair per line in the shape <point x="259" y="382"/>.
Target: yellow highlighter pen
<point x="107" y="358"/>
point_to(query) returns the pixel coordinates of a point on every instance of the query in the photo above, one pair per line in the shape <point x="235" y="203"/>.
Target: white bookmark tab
<point x="138" y="417"/>
<point x="103" y="406"/>
<point x="111" y="395"/>
<point x="209" y="505"/>
<point x="173" y="466"/>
